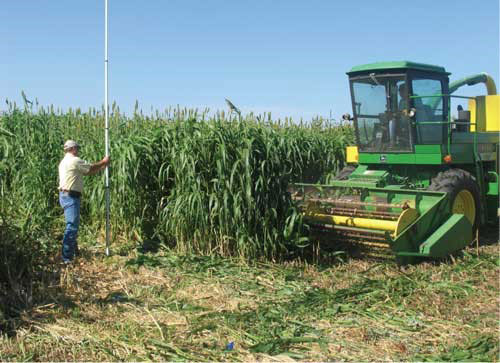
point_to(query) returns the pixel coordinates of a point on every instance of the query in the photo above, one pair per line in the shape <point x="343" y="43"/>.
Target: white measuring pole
<point x="106" y="119"/>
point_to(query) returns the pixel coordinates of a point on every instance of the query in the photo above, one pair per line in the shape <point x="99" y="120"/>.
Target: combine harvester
<point x="418" y="182"/>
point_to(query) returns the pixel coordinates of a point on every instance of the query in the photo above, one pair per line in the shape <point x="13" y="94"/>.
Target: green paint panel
<point x="406" y="245"/>
<point x="429" y="159"/>
<point x="368" y="158"/>
<point x="427" y="149"/>
<point x="492" y="188"/>
<point x="462" y="153"/>
<point x="397" y="65"/>
<point x="362" y="176"/>
<point x="481" y="137"/>
<point x="360" y="170"/>
<point x="451" y="236"/>
<point x="492" y="209"/>
<point x="353" y="183"/>
<point x="363" y="172"/>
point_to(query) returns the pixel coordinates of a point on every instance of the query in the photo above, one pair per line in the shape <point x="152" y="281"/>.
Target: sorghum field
<point x="209" y="258"/>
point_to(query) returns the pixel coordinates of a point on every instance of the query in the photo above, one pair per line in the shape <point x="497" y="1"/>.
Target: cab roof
<point x="379" y="66"/>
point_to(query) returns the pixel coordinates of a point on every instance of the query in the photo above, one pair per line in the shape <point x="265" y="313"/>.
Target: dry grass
<point x="171" y="307"/>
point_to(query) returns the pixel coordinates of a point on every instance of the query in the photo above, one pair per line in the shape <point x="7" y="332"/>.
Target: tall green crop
<point x="199" y="183"/>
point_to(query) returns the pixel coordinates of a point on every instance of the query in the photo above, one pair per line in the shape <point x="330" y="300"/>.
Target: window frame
<point x="444" y="80"/>
<point x="404" y="76"/>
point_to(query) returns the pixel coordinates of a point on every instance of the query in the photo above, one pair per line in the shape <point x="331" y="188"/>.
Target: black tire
<point x="453" y="181"/>
<point x="344" y="173"/>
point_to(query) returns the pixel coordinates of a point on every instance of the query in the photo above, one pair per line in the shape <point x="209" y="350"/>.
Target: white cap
<point x="69" y="144"/>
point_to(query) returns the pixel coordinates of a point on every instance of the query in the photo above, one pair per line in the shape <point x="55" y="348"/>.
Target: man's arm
<point x="100" y="165"/>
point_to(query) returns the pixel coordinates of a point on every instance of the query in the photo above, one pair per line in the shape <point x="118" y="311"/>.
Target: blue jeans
<point x="71" y="206"/>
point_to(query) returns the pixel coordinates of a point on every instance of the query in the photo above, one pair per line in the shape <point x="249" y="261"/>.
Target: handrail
<point x="444" y="95"/>
<point x="444" y="123"/>
<point x="493" y="173"/>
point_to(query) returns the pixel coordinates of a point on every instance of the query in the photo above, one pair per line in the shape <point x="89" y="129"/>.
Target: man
<point x="402" y="104"/>
<point x="397" y="122"/>
<point x="423" y="111"/>
<point x="71" y="172"/>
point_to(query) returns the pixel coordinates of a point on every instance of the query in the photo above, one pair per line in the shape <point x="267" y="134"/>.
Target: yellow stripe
<point x="406" y="218"/>
<point x="367" y="223"/>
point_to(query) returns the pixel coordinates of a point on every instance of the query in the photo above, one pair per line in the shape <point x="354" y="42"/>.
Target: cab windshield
<point x="381" y="113"/>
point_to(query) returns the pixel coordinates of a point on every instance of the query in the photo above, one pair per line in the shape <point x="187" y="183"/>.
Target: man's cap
<point x="69" y="144"/>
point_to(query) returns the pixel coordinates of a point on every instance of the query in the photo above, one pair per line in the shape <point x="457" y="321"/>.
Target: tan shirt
<point x="71" y="172"/>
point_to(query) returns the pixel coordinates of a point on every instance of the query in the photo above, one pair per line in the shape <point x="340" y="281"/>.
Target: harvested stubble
<point x="185" y="307"/>
<point x="201" y="184"/>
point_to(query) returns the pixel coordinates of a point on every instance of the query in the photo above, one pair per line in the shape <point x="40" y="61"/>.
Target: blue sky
<point x="286" y="57"/>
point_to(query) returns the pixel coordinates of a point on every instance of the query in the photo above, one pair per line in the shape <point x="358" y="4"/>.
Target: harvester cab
<point x="418" y="181"/>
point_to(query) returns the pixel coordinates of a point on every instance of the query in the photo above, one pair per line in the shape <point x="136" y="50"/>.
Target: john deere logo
<point x="383" y="158"/>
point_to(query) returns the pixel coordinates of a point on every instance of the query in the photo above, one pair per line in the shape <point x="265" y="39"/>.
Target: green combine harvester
<point x="419" y="182"/>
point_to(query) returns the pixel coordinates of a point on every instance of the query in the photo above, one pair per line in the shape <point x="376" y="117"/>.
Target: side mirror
<point x="347" y="117"/>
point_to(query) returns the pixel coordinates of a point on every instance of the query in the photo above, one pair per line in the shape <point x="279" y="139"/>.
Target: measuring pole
<point x="106" y="119"/>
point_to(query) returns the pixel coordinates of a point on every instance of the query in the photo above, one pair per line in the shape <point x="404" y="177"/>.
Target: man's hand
<point x="100" y="165"/>
<point x="104" y="162"/>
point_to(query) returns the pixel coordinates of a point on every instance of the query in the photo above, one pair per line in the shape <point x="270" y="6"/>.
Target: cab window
<point x="430" y="113"/>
